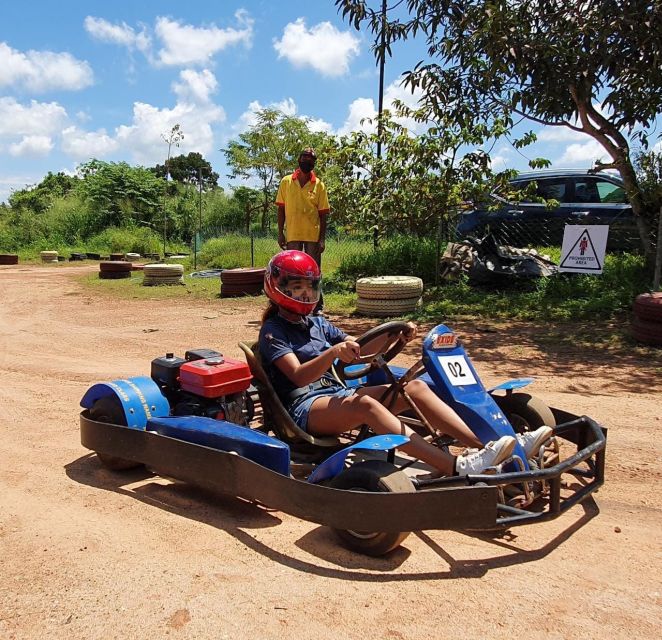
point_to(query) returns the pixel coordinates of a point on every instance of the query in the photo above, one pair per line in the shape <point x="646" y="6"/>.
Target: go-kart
<point x="217" y="423"/>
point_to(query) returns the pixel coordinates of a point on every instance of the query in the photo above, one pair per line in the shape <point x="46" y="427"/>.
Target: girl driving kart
<point x="297" y="351"/>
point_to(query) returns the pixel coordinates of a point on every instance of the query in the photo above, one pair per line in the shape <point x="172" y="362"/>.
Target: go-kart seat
<point x="275" y="415"/>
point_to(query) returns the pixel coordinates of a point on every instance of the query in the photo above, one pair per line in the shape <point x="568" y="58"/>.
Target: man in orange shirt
<point x="303" y="205"/>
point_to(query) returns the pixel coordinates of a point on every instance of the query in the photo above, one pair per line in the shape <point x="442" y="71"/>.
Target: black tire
<point x="525" y="412"/>
<point x="114" y="275"/>
<point x="8" y="258"/>
<point x="372" y="475"/>
<point x="114" y="266"/>
<point x="110" y="410"/>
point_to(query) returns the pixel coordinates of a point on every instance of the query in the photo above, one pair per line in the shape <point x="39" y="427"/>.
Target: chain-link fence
<point x="547" y="232"/>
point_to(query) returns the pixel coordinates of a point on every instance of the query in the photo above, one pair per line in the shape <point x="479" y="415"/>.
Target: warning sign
<point x="584" y="248"/>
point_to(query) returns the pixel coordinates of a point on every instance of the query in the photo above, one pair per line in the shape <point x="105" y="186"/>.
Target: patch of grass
<point x="133" y="288"/>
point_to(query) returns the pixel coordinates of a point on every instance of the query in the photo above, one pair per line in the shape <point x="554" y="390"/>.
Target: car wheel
<point x="110" y="410"/>
<point x="525" y="412"/>
<point x="372" y="475"/>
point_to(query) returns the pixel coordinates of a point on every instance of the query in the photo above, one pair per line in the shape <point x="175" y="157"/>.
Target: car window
<point x="610" y="192"/>
<point x="549" y="189"/>
<point x="586" y="190"/>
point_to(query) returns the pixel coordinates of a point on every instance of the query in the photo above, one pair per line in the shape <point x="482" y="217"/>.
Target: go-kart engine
<point x="205" y="383"/>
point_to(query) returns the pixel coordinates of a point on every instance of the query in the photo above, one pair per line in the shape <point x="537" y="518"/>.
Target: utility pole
<point x="380" y="108"/>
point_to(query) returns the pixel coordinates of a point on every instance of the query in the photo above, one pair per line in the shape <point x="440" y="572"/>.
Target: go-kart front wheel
<point x="525" y="412"/>
<point x="110" y="410"/>
<point x="372" y="475"/>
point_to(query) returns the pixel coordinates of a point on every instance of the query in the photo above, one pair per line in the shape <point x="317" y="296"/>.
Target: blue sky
<point x="97" y="79"/>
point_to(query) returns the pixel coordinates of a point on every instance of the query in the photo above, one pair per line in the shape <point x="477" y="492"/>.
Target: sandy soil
<point x="85" y="553"/>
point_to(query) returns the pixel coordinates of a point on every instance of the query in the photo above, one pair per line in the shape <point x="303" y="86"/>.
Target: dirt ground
<point x="86" y="553"/>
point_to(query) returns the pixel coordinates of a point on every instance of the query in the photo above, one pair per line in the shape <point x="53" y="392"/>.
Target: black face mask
<point x="306" y="165"/>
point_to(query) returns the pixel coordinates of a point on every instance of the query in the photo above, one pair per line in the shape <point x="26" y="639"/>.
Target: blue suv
<point x="584" y="198"/>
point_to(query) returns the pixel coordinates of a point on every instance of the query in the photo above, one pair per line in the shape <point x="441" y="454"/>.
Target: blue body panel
<point x="334" y="464"/>
<point x="458" y="385"/>
<point x="141" y="399"/>
<point x="226" y="436"/>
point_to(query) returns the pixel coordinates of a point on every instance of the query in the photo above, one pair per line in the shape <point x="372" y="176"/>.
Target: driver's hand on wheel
<point x="348" y="351"/>
<point x="410" y="332"/>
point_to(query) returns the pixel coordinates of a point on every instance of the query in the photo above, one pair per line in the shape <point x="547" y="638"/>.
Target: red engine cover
<point x="213" y="379"/>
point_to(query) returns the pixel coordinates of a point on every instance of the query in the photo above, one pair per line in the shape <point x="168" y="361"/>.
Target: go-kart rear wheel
<point x="372" y="475"/>
<point x="110" y="410"/>
<point x="525" y="412"/>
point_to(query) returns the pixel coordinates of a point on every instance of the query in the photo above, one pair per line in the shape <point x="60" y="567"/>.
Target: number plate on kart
<point x="444" y="341"/>
<point x="457" y="369"/>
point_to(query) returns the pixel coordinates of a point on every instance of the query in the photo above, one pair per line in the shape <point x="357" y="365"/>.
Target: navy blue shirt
<point x="306" y="340"/>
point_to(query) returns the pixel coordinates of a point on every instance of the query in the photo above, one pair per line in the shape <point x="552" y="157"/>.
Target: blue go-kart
<point x="216" y="422"/>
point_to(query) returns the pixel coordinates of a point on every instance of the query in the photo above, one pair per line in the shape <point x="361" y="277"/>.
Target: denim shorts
<point x="300" y="408"/>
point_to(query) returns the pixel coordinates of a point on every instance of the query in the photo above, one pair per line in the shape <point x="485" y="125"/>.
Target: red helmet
<point x="292" y="281"/>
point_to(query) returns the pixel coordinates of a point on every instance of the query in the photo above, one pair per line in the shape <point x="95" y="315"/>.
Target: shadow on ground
<point x="238" y="517"/>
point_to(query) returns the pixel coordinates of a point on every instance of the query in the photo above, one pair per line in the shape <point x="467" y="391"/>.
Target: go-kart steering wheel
<point x="378" y="345"/>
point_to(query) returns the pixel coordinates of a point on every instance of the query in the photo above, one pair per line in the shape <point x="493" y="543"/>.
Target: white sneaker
<point x="531" y="441"/>
<point x="491" y="454"/>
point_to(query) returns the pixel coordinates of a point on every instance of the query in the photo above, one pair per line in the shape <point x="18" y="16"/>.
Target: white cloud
<point x="31" y="146"/>
<point x="364" y="108"/>
<point x="40" y="71"/>
<point x="195" y="86"/>
<point x="287" y="106"/>
<point x="359" y="109"/>
<point x="144" y="136"/>
<point x="185" y="44"/>
<point x="582" y="154"/>
<point x="83" y="145"/>
<point x="322" y="47"/>
<point x="121" y="34"/>
<point x="559" y="134"/>
<point x="37" y="118"/>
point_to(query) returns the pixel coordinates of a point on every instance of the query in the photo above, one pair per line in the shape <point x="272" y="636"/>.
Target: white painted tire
<point x="152" y="281"/>
<point x="389" y="287"/>
<point x="386" y="308"/>
<point x="164" y="270"/>
<point x="49" y="256"/>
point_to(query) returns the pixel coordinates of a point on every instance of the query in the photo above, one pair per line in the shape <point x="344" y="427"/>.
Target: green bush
<point x="402" y="255"/>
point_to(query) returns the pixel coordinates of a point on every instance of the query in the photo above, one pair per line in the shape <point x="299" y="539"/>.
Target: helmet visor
<point x="299" y="287"/>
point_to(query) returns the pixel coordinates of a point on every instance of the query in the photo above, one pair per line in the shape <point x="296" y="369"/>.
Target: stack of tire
<point x="8" y="258"/>
<point x="77" y="257"/>
<point x="647" y="320"/>
<point x="163" y="274"/>
<point x="116" y="257"/>
<point x="247" y="281"/>
<point x="114" y="270"/>
<point x="386" y="296"/>
<point x="48" y="257"/>
<point x="130" y="257"/>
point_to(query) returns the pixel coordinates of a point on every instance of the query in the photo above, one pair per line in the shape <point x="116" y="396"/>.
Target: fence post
<point x="252" y="251"/>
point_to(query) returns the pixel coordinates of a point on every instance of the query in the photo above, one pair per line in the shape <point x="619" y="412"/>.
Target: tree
<point x="268" y="151"/>
<point x="593" y="66"/>
<point x="120" y="194"/>
<point x="187" y="169"/>
<point x="38" y="198"/>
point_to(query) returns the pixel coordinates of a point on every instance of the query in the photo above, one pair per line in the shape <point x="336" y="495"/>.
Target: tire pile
<point x="114" y="270"/>
<point x="247" y="281"/>
<point x="647" y="320"/>
<point x="388" y="295"/>
<point x="116" y="257"/>
<point x="8" y="258"/>
<point x="48" y="257"/>
<point x="163" y="274"/>
<point x="130" y="257"/>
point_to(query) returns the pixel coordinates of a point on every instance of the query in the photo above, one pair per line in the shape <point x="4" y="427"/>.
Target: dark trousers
<point x="313" y="250"/>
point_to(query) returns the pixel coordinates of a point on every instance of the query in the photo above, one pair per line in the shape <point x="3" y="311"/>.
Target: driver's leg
<point x="330" y="415"/>
<point x="437" y="413"/>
